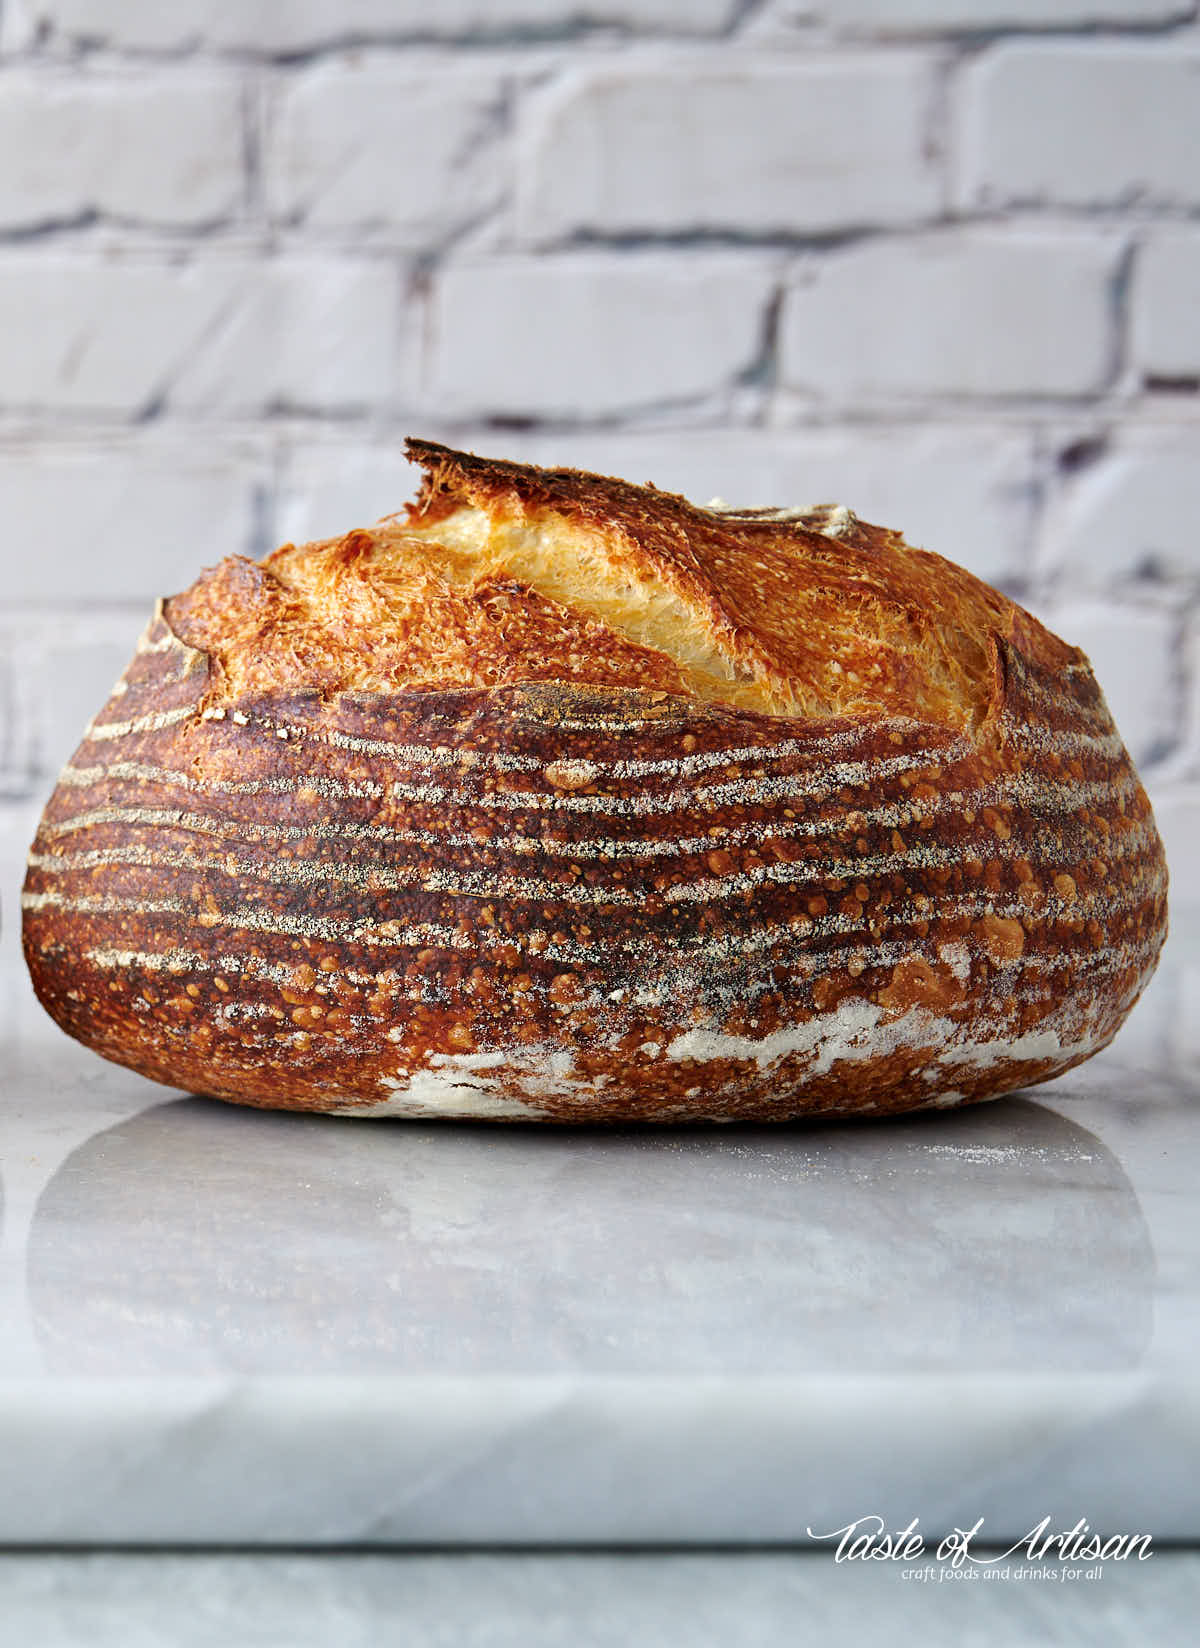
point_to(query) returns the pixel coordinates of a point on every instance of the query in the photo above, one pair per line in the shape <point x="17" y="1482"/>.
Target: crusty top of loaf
<point x="502" y="572"/>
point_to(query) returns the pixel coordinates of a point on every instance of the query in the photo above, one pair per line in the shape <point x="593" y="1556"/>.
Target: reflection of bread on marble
<point x="564" y="797"/>
<point x="609" y="1252"/>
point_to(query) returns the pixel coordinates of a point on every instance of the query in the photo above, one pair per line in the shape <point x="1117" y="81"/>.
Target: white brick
<point x="1166" y="306"/>
<point x="300" y="25"/>
<point x="366" y="142"/>
<point x="120" y="523"/>
<point x="1187" y="761"/>
<point x="1177" y="812"/>
<point x="985" y="313"/>
<point x="222" y="334"/>
<point x="13" y="762"/>
<point x="165" y="149"/>
<point x="732" y="142"/>
<point x="1184" y="1035"/>
<point x="919" y="16"/>
<point x="99" y="335"/>
<point x="590" y="334"/>
<point x="1131" y="650"/>
<point x="1082" y="124"/>
<point x="304" y="333"/>
<point x="1131" y="514"/>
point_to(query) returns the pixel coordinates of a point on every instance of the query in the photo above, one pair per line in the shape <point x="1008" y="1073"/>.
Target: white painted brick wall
<point x="1184" y="1030"/>
<point x="114" y="336"/>
<point x="937" y="259"/>
<point x="1082" y="124"/>
<point x="306" y="25"/>
<point x="102" y="335"/>
<point x="1166" y="306"/>
<point x="1131" y="515"/>
<point x="1187" y="761"/>
<point x="15" y="761"/>
<point x="752" y="144"/>
<point x="168" y="150"/>
<point x="589" y="334"/>
<point x="368" y="142"/>
<point x="307" y="333"/>
<point x="981" y="314"/>
<point x="126" y="521"/>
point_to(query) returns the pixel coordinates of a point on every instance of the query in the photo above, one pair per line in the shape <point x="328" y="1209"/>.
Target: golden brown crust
<point x="789" y="597"/>
<point x="583" y="901"/>
<point x="411" y="632"/>
<point x="789" y="616"/>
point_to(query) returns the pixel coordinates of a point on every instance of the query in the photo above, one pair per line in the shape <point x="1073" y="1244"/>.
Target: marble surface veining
<point x="225" y="1325"/>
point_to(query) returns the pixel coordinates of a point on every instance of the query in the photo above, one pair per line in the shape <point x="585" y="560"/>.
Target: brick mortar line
<point x="97" y="235"/>
<point x="471" y="43"/>
<point x="66" y="431"/>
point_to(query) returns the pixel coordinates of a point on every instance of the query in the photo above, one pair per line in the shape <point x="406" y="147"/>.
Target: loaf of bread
<point x="562" y="798"/>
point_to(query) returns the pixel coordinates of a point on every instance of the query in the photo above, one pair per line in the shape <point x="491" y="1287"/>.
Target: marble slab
<point x="594" y="1600"/>
<point x="221" y="1325"/>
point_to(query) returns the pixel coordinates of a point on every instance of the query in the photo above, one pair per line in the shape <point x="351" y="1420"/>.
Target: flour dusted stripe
<point x="1036" y="795"/>
<point x="415" y="755"/>
<point x="745" y="792"/>
<point x="82" y="778"/>
<point x="320" y="872"/>
<point x="674" y="801"/>
<point x="742" y="791"/>
<point x="821" y="748"/>
<point x="822" y="780"/>
<point x="113" y="959"/>
<point x="252" y="920"/>
<point x="813" y="783"/>
<point x="1133" y="841"/>
<point x="1059" y="739"/>
<point x="923" y="856"/>
<point x="171" y="818"/>
<point x="104" y="905"/>
<point x="86" y="778"/>
<point x="1057" y="798"/>
<point x="434" y="756"/>
<point x="101" y="731"/>
<point x="730" y="946"/>
<point x="496" y="884"/>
